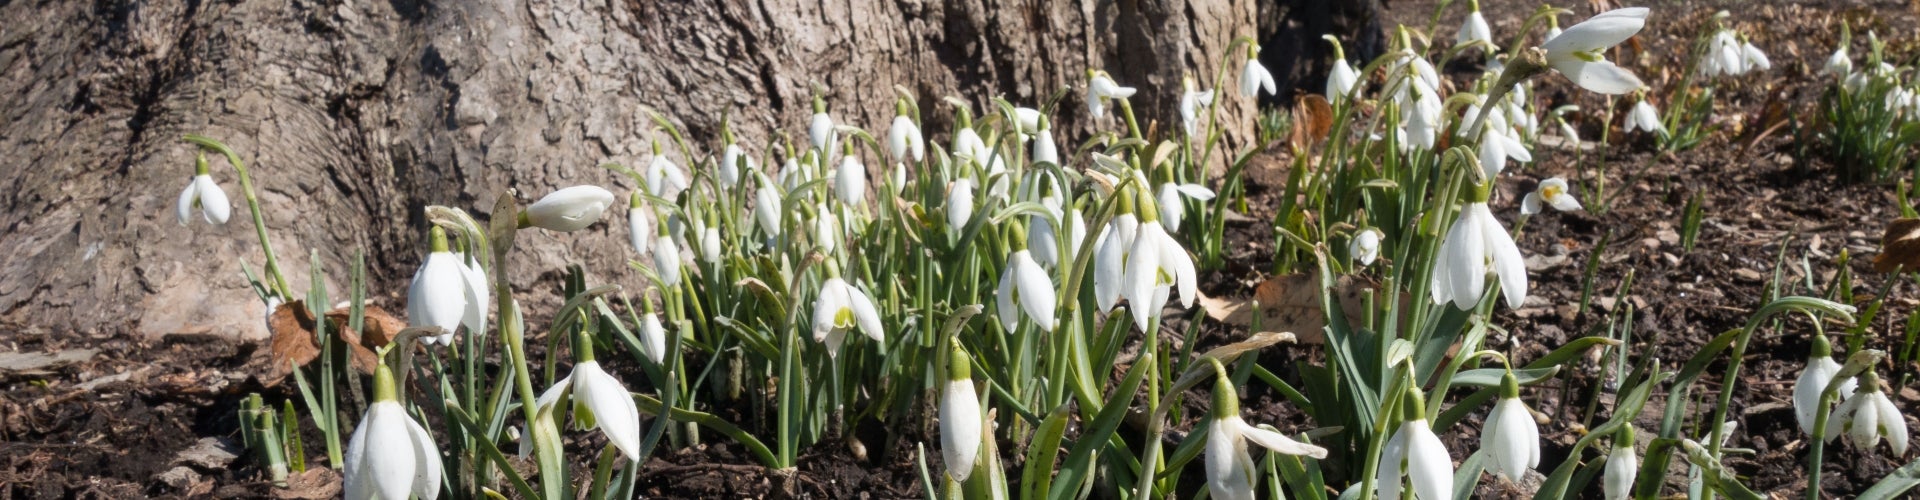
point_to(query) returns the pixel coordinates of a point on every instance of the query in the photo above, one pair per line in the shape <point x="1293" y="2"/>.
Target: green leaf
<point x="1038" y="473"/>
<point x="1079" y="464"/>
<point x="1490" y="377"/>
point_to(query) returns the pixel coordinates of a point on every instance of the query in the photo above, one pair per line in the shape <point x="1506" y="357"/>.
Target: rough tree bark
<point x="354" y="115"/>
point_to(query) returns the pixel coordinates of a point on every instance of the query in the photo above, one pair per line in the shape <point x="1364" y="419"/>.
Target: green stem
<point x="253" y="207"/>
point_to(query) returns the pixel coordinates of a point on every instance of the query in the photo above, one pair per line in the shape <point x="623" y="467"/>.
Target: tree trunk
<point x="353" y="116"/>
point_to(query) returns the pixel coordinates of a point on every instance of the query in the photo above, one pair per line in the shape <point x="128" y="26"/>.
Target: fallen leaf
<point x="293" y="338"/>
<point x="315" y="484"/>
<point x="1289" y="303"/>
<point x="1900" y="247"/>
<point x="1312" y="120"/>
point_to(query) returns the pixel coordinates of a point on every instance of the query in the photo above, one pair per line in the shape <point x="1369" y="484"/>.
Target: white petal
<point x="851" y="181"/>
<point x="1864" y="426"/>
<point x="389" y="461"/>
<point x="865" y="315"/>
<point x="569" y="209"/>
<point x="1515" y="443"/>
<point x="1429" y="467"/>
<point x="1806" y="390"/>
<point x="1464" y="253"/>
<point x="1003" y="301"/>
<point x="1143" y="268"/>
<point x="653" y="338"/>
<point x="1604" y="30"/>
<point x="833" y="298"/>
<point x="1894" y="426"/>
<point x="612" y="407"/>
<point x="1275" y="441"/>
<point x="1843" y="414"/>
<point x="426" y="454"/>
<point x="959" y="203"/>
<point x="479" y="293"/>
<point x="960" y="431"/>
<point x="1622" y="466"/>
<point x="1226" y="479"/>
<point x="552" y="394"/>
<point x="637" y="231"/>
<point x="439" y="289"/>
<point x="1109" y="268"/>
<point x="1599" y="76"/>
<point x="213" y="200"/>
<point x="1530" y="204"/>
<point x="358" y="484"/>
<point x="666" y="260"/>
<point x="1493" y="154"/>
<point x="1044" y="149"/>
<point x="1392" y="471"/>
<point x="820" y="132"/>
<point x="1036" y="290"/>
<point x="1507" y="262"/>
<point x="183" y="209"/>
<point x="1172" y="208"/>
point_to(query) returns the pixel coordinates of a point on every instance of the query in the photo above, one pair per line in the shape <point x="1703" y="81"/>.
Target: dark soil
<point x="1765" y="195"/>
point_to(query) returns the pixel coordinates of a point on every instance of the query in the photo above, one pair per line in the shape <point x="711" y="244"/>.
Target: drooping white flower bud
<point x="569" y="209"/>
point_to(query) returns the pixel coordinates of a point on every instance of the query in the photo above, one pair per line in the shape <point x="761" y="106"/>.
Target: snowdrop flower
<point x="570" y="209"/>
<point x="1755" y="59"/>
<point x="1511" y="436"/>
<point x="960" y="420"/>
<point x="1869" y="415"/>
<point x="820" y="131"/>
<point x="1024" y="282"/>
<point x="653" y="337"/>
<point x="850" y="182"/>
<point x="479" y="293"/>
<point x="1043" y="148"/>
<point x="598" y="400"/>
<point x="1365" y="246"/>
<point x="1578" y="51"/>
<point x="1821" y="368"/>
<point x="1414" y="454"/>
<point x="664" y="179"/>
<point x="1475" y="29"/>
<point x="1028" y="119"/>
<point x="390" y="456"/>
<point x="767" y="206"/>
<point x="1723" y="56"/>
<point x="1644" y="117"/>
<point x="710" y="245"/>
<point x="826" y="229"/>
<point x="841" y="307"/>
<point x="1044" y="240"/>
<point x="1476" y="245"/>
<point x="1342" y="79"/>
<point x="903" y="138"/>
<point x="1623" y="464"/>
<point x="959" y="204"/>
<point x="1191" y="100"/>
<point x="1254" y="77"/>
<point x="1839" y="64"/>
<point x="1172" y="208"/>
<point x="1110" y="253"/>
<point x="1100" y="89"/>
<point x="1497" y="145"/>
<point x="1230" y="471"/>
<point x="1552" y="192"/>
<point x="204" y="194"/>
<point x="640" y="235"/>
<point x="666" y="260"/>
<point x="1154" y="264"/>
<point x="438" y="294"/>
<point x="732" y="161"/>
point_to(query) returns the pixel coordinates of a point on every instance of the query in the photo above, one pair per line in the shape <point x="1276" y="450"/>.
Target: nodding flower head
<point x="203" y="194"/>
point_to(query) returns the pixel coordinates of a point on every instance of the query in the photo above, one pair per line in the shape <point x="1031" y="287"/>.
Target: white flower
<point x="1753" y="57"/>
<point x="599" y="401"/>
<point x="1578" y="51"/>
<point x="960" y="419"/>
<point x="1821" y="368"/>
<point x="1723" y="56"/>
<point x="1839" y="64"/>
<point x="1191" y="100"/>
<point x="569" y="209"/>
<point x="1172" y="208"/>
<point x="1644" y="117"/>
<point x="1868" y="416"/>
<point x="841" y="307"/>
<point x="903" y="140"/>
<point x="1230" y="470"/>
<point x="767" y="207"/>
<point x="637" y="231"/>
<point x="1110" y="256"/>
<point x="850" y="182"/>
<point x="1341" y="80"/>
<point x="1623" y="464"/>
<point x="1028" y="119"/>
<point x="959" y="203"/>
<point x="438" y="294"/>
<point x="1254" y="77"/>
<point x="1026" y="283"/>
<point x="1044" y="240"/>
<point x="820" y="131"/>
<point x="1044" y="149"/>
<point x="1497" y="145"/>
<point x="730" y="165"/>
<point x="710" y="245"/>
<point x="664" y="178"/>
<point x="1475" y="29"/>
<point x="666" y="260"/>
<point x="653" y="338"/>
<point x="826" y="229"/>
<point x="390" y="456"/>
<point x="1365" y="246"/>
<point x="1415" y="454"/>
<point x="1156" y="263"/>
<point x="1476" y="245"/>
<point x="479" y="293"/>
<point x="1552" y="192"/>
<point x="204" y="194"/>
<point x="1101" y="88"/>
<point x="1511" y="436"/>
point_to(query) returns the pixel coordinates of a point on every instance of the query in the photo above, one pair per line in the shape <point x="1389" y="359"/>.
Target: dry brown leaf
<point x="293" y="339"/>
<point x="381" y="327"/>
<point x="315" y="484"/>
<point x="1312" y="120"/>
<point x="1289" y="303"/>
<point x="1900" y="247"/>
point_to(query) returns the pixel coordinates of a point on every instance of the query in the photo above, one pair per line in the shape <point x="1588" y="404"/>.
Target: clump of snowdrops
<point x="985" y="289"/>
